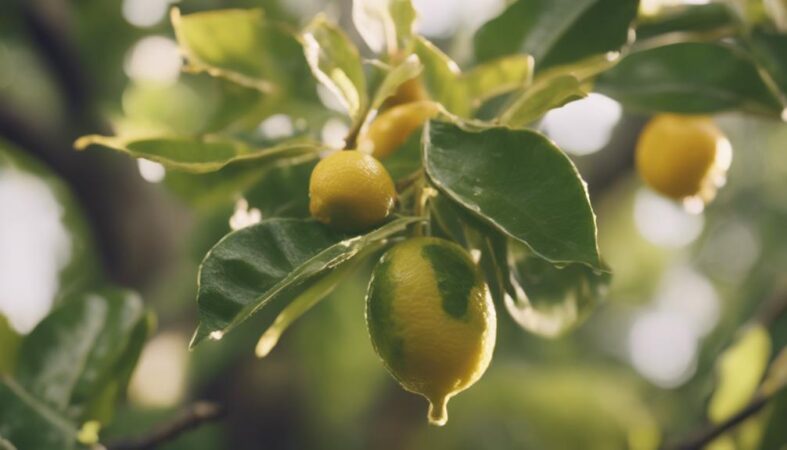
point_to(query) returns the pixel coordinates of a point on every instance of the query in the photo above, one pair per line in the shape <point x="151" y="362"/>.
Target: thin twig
<point x="705" y="436"/>
<point x="772" y="309"/>
<point x="196" y="415"/>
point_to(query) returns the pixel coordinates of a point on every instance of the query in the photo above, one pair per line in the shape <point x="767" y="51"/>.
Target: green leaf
<point x="274" y="259"/>
<point x="199" y="155"/>
<point x="30" y="423"/>
<point x="243" y="47"/>
<point x="518" y="182"/>
<point x="395" y="77"/>
<point x="557" y="32"/>
<point x="547" y="299"/>
<point x="739" y="371"/>
<point x="194" y="104"/>
<point x="84" y="345"/>
<point x="497" y="77"/>
<point x="690" y="77"/>
<point x="770" y="50"/>
<point x="554" y="88"/>
<point x="309" y="298"/>
<point x="461" y="93"/>
<point x="698" y="20"/>
<point x="385" y="25"/>
<point x="533" y="103"/>
<point x="335" y="62"/>
<point x="441" y="77"/>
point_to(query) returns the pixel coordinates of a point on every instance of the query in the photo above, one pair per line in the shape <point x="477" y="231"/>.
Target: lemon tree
<point x="442" y="178"/>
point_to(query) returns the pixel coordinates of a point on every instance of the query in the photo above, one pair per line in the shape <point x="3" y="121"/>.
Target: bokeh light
<point x="151" y="171"/>
<point x="663" y="348"/>
<point x="145" y="13"/>
<point x="333" y="133"/>
<point x="159" y="380"/>
<point x="664" y="222"/>
<point x="276" y="126"/>
<point x="34" y="247"/>
<point x="584" y="126"/>
<point x="154" y="59"/>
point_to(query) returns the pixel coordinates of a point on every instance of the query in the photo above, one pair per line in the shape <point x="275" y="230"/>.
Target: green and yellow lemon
<point x="431" y="320"/>
<point x="351" y="191"/>
<point x="683" y="156"/>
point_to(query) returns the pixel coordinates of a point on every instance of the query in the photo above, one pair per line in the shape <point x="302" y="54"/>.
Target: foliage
<point x="480" y="173"/>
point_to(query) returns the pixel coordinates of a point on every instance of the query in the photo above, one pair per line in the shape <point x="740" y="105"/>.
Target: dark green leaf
<point x="520" y="183"/>
<point x="690" y="77"/>
<point x="198" y="155"/>
<point x="274" y="259"/>
<point x="557" y="32"/>
<point x="695" y="19"/>
<point x="81" y="347"/>
<point x="243" y="47"/>
<point x="30" y="423"/>
<point x="775" y="433"/>
<point x="385" y="25"/>
<point x="770" y="50"/>
<point x="335" y="62"/>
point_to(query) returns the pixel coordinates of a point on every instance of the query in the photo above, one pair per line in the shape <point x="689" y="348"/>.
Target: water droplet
<point x="216" y="335"/>
<point x="438" y="412"/>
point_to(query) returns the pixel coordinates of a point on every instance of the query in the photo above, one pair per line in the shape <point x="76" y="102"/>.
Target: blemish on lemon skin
<point x="455" y="278"/>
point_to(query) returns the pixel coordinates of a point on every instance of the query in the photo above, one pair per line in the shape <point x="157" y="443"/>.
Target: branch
<point x="702" y="438"/>
<point x="196" y="415"/>
<point x="59" y="53"/>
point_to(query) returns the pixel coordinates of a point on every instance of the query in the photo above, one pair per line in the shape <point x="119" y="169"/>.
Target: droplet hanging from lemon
<point x="431" y="320"/>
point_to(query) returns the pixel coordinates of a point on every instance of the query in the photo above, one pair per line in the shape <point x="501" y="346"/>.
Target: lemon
<point x="410" y="91"/>
<point x="431" y="320"/>
<point x="683" y="156"/>
<point x="351" y="191"/>
<point x="394" y="126"/>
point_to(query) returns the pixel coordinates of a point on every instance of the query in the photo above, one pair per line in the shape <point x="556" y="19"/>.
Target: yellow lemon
<point x="394" y="126"/>
<point x="410" y="91"/>
<point x="431" y="320"/>
<point x="351" y="191"/>
<point x="683" y="156"/>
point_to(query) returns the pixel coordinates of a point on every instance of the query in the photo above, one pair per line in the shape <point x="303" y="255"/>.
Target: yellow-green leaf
<point x="740" y="370"/>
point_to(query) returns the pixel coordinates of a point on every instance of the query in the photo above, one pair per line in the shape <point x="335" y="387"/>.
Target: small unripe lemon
<point x="394" y="126"/>
<point x="431" y="320"/>
<point x="351" y="191"/>
<point x="410" y="91"/>
<point x="683" y="156"/>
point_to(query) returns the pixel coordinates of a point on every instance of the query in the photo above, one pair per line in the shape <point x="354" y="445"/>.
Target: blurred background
<point x="640" y="370"/>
